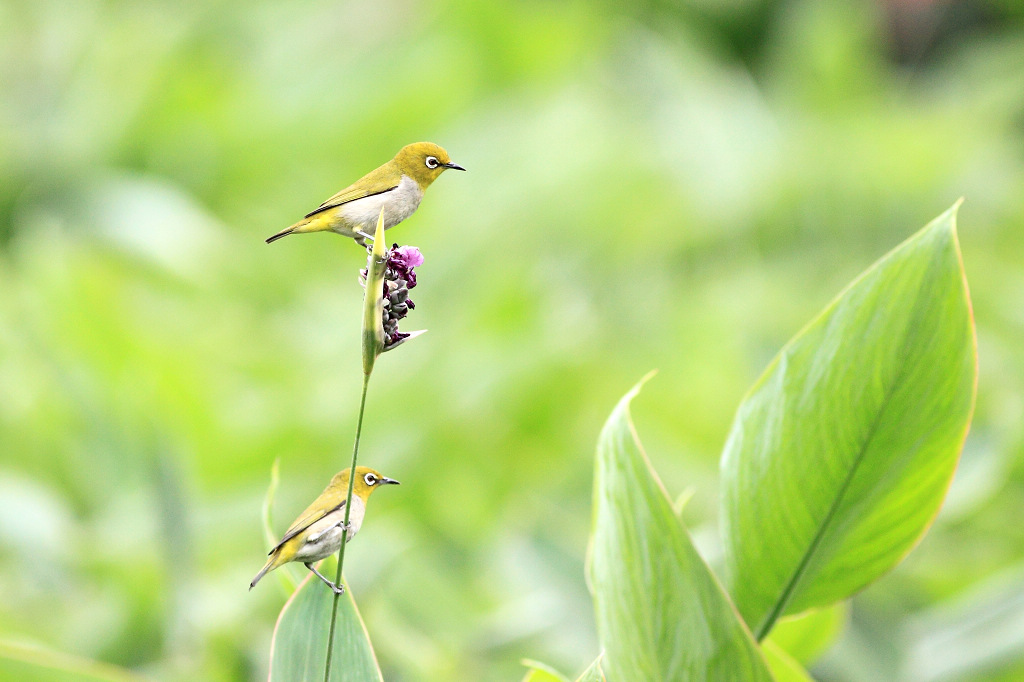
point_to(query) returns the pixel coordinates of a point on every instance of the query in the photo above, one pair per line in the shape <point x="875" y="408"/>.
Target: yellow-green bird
<point x="316" y="534"/>
<point x="397" y="187"/>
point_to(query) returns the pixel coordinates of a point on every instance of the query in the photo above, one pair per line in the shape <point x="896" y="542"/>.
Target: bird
<point x="317" y="533"/>
<point x="397" y="187"/>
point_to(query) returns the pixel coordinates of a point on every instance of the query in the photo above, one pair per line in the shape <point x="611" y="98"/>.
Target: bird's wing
<point x="383" y="179"/>
<point x="305" y="521"/>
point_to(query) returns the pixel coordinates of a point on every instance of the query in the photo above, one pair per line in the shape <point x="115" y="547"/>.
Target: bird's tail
<point x="270" y="565"/>
<point x="283" y="233"/>
<point x="311" y="224"/>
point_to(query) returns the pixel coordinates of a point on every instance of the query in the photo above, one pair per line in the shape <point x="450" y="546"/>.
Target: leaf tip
<point x="378" y="237"/>
<point x="635" y="391"/>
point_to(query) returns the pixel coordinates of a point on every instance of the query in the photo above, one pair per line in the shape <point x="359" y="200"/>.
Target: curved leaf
<point x="287" y="575"/>
<point x="841" y="454"/>
<point x="661" y="614"/>
<point x="28" y="663"/>
<point x="541" y="672"/>
<point x="299" y="648"/>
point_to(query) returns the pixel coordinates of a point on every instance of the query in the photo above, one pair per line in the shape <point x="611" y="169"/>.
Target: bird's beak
<point x="453" y="165"/>
<point x="388" y="481"/>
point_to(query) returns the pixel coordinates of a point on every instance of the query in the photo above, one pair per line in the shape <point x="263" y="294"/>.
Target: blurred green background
<point x="671" y="185"/>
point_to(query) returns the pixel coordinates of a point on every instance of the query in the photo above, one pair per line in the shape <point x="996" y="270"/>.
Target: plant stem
<point x="348" y="510"/>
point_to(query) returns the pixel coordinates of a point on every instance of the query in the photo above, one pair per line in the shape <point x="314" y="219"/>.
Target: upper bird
<point x="397" y="186"/>
<point x="316" y="534"/>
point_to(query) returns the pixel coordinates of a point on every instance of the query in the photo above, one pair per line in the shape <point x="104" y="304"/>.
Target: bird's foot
<point x="337" y="589"/>
<point x="364" y="240"/>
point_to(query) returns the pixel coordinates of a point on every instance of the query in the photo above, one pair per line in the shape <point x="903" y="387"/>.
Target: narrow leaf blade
<point x="286" y="575"/>
<point x="661" y="614"/>
<point x="842" y="452"/>
<point x="30" y="663"/>
<point x="594" y="673"/>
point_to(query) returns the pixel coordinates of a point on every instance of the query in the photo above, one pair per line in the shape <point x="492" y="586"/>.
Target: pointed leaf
<point x="298" y="650"/>
<point x="661" y="614"/>
<point x="29" y="663"/>
<point x="286" y="575"/>
<point x="841" y="453"/>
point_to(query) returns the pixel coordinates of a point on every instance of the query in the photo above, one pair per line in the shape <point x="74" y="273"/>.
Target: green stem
<point x="348" y="510"/>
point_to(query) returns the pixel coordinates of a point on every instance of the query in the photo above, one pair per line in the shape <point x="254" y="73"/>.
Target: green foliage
<point x="773" y="148"/>
<point x="861" y="417"/>
<point x="661" y="614"/>
<point x="806" y="636"/>
<point x="35" y="664"/>
<point x="784" y="667"/>
<point x="540" y="672"/>
<point x="843" y="451"/>
<point x="594" y="673"/>
<point x="288" y="575"/>
<point x="300" y="639"/>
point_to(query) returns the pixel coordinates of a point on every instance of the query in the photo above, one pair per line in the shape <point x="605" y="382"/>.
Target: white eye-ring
<point x="432" y="162"/>
<point x="370" y="479"/>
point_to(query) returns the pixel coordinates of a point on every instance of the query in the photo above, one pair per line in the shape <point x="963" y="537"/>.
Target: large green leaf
<point x="841" y="454"/>
<point x="661" y="614"/>
<point x="299" y="648"/>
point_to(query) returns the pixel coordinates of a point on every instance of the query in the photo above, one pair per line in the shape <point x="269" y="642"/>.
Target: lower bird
<point x="397" y="187"/>
<point x="318" y="531"/>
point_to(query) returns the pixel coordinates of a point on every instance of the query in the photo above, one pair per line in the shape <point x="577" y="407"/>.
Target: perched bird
<point x="397" y="186"/>
<point x="316" y="534"/>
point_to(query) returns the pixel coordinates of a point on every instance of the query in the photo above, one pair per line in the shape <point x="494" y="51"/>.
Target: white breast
<point x="399" y="204"/>
<point x="324" y="538"/>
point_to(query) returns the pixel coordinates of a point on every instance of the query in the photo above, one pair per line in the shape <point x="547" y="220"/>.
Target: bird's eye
<point x="432" y="162"/>
<point x="370" y="479"/>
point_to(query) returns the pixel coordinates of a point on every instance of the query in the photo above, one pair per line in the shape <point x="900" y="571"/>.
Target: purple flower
<point x="409" y="256"/>
<point x="401" y="261"/>
<point x="399" y="277"/>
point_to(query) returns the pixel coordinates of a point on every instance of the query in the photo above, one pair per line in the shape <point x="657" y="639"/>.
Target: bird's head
<point x="424" y="161"/>
<point x="367" y="480"/>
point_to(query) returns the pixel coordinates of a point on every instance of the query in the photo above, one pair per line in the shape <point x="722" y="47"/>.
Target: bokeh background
<point x="654" y="184"/>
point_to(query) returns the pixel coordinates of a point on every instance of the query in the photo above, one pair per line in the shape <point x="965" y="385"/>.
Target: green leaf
<point x="286" y="575"/>
<point x="661" y="614"/>
<point x="298" y="650"/>
<point x="806" y="636"/>
<point x="542" y="672"/>
<point x="29" y="663"/>
<point x="842" y="452"/>
<point x="594" y="673"/>
<point x="784" y="667"/>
